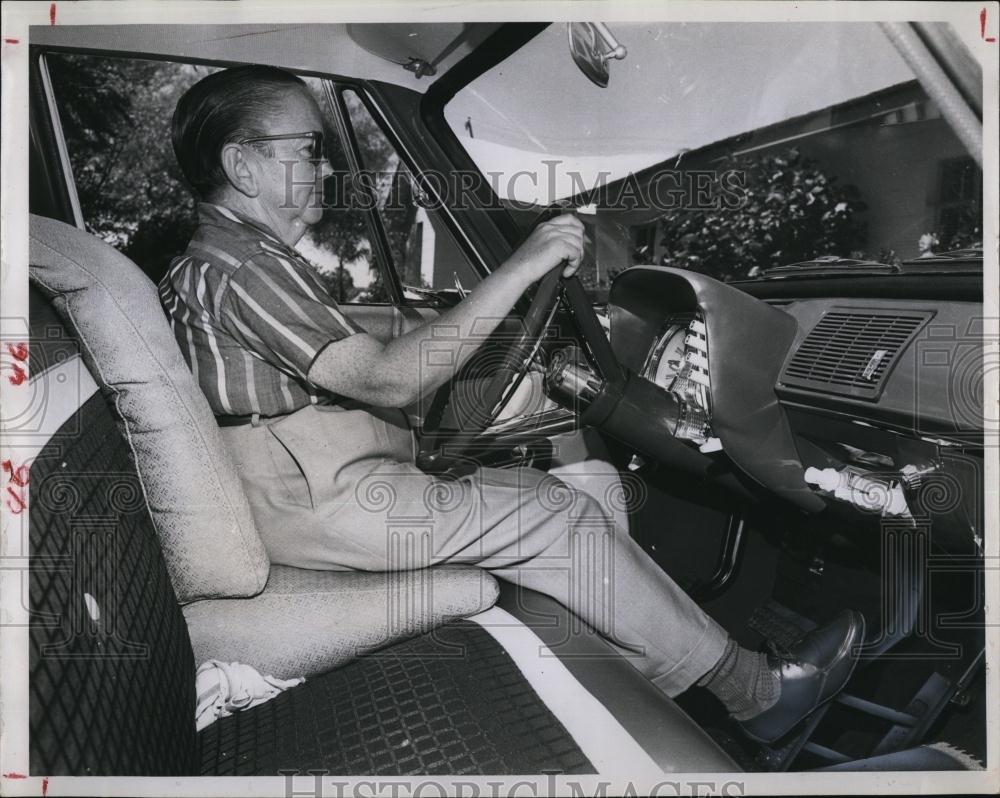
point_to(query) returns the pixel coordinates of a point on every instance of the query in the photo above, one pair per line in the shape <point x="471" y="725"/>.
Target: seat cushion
<point x="448" y="703"/>
<point x="484" y="696"/>
<point x="307" y="622"/>
<point x="192" y="490"/>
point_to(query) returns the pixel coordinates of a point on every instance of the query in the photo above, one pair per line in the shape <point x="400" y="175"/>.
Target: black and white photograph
<point x="499" y="399"/>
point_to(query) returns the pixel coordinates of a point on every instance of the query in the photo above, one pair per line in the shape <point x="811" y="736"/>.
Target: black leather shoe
<point x="812" y="672"/>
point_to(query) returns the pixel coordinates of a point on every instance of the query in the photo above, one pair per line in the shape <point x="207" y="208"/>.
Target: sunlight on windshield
<point x="681" y="86"/>
<point x="729" y="149"/>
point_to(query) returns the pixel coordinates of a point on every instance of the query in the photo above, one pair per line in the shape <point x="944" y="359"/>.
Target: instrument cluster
<point x="678" y="363"/>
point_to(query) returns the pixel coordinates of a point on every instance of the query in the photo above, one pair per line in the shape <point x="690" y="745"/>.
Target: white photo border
<point x="14" y="40"/>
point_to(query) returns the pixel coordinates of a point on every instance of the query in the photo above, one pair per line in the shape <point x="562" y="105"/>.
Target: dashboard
<point x="860" y="390"/>
<point x="913" y="367"/>
<point x="678" y="363"/>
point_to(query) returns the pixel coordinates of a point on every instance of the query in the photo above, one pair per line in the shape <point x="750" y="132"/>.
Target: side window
<point x="425" y="254"/>
<point x="340" y="244"/>
<point x="115" y="116"/>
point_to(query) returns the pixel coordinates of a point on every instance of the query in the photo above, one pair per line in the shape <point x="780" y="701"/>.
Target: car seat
<point x="517" y="688"/>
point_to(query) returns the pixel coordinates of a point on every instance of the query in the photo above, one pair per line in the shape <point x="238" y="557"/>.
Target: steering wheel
<point x="482" y="410"/>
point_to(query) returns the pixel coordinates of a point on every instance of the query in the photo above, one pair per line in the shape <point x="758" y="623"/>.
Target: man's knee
<point x="579" y="507"/>
<point x="562" y="512"/>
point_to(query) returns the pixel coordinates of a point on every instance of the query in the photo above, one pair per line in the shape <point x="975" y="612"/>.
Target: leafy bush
<point x="791" y="211"/>
<point x="961" y="228"/>
<point x="115" y="115"/>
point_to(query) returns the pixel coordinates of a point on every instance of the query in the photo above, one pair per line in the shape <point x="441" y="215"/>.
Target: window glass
<point x="425" y="253"/>
<point x="340" y="244"/>
<point x="726" y="148"/>
<point x="115" y="115"/>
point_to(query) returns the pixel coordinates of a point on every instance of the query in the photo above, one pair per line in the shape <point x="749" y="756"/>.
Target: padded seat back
<point x="189" y="482"/>
<point x="186" y="475"/>
<point x="176" y="476"/>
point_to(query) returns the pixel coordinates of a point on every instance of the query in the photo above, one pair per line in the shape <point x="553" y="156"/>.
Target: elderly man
<point x="282" y="368"/>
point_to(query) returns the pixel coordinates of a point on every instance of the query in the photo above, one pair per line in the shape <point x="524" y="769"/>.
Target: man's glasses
<point x="315" y="136"/>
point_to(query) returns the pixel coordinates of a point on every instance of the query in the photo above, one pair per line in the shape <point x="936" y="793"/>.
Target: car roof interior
<point x="373" y="51"/>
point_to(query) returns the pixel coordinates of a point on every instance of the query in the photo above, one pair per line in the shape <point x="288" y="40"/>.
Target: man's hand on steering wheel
<point x="398" y="372"/>
<point x="551" y="243"/>
<point x="551" y="253"/>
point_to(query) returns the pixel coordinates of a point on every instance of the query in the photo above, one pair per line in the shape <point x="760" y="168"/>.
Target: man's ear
<point x="239" y="171"/>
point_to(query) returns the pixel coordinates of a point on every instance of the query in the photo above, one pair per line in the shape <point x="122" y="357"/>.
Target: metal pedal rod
<point x="929" y="702"/>
<point x="826" y="753"/>
<point x="877" y="710"/>
<point x="731" y="550"/>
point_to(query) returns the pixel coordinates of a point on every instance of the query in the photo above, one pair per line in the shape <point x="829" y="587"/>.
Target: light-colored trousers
<point x="336" y="489"/>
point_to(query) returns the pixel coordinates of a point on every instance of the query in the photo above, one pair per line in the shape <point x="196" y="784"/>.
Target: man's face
<point x="292" y="181"/>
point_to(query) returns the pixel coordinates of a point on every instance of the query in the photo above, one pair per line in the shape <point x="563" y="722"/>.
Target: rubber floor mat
<point x="450" y="702"/>
<point x="776" y="622"/>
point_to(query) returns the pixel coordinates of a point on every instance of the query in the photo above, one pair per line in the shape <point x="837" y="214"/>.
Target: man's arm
<point x="392" y="374"/>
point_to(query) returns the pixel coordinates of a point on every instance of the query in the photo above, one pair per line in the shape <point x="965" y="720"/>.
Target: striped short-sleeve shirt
<point x="250" y="316"/>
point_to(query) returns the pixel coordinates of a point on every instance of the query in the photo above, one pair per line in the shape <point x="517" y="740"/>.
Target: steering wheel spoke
<point x="480" y="412"/>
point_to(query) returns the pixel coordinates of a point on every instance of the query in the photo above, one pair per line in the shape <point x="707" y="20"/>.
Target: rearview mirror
<point x="592" y="46"/>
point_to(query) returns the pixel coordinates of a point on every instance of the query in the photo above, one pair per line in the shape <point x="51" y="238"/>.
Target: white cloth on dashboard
<point x="224" y="688"/>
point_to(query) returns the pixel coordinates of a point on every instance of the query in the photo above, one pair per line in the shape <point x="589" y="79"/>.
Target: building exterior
<point x="877" y="142"/>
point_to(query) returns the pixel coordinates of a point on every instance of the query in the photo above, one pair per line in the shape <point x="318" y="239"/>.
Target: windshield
<point x="726" y="148"/>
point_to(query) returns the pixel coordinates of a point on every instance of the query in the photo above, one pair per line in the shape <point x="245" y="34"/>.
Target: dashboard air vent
<point x="851" y="351"/>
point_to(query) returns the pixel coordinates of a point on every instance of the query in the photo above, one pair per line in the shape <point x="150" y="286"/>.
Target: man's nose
<point x="325" y="169"/>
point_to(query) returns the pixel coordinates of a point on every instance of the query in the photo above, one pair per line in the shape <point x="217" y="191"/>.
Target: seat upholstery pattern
<point x="111" y="674"/>
<point x="185" y="474"/>
<point x="112" y="671"/>
<point x="450" y="702"/>
<point x="307" y="622"/>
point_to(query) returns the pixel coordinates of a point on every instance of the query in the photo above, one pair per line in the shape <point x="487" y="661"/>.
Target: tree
<point x="791" y="210"/>
<point x="961" y="228"/>
<point x="115" y="116"/>
<point x="376" y="290"/>
<point x="339" y="283"/>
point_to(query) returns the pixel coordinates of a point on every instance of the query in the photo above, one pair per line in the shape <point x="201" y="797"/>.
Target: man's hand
<point x="557" y="240"/>
<point x="397" y="373"/>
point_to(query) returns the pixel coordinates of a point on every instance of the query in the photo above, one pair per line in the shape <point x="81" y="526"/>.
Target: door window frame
<point x="443" y="213"/>
<point x="333" y="86"/>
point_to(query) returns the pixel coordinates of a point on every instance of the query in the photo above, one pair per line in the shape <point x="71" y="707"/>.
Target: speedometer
<point x="666" y="355"/>
<point x="678" y="362"/>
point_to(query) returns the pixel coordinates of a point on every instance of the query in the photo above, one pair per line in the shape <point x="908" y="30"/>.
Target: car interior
<point x="785" y="442"/>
